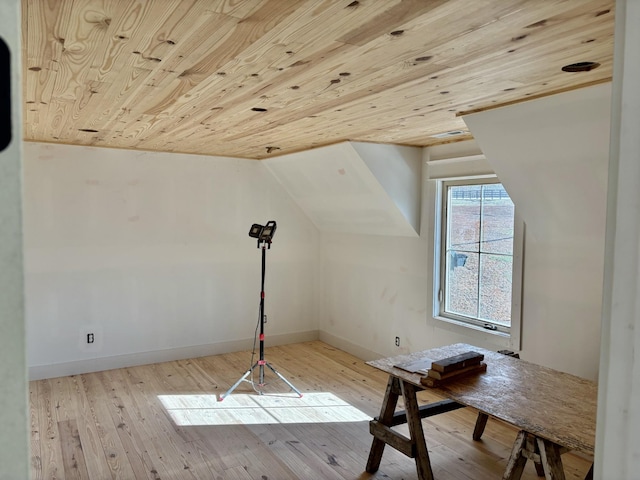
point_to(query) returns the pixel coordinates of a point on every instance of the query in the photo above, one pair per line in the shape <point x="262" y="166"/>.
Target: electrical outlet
<point x="397" y="341"/>
<point x="91" y="338"/>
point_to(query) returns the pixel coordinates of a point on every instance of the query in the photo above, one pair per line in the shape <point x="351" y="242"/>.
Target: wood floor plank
<point x="146" y="429"/>
<point x="171" y="444"/>
<point x="116" y="457"/>
<point x="299" y="455"/>
<point x="94" y="453"/>
<point x="62" y="399"/>
<point x="34" y="422"/>
<point x="333" y="451"/>
<point x="163" y="421"/>
<point x="50" y="447"/>
<point x="73" y="460"/>
<point x="136" y="447"/>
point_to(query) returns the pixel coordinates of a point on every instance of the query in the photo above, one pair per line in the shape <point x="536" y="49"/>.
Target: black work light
<point x="263" y="233"/>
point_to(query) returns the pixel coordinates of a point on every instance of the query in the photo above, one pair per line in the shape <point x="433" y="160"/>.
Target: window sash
<point x="444" y="266"/>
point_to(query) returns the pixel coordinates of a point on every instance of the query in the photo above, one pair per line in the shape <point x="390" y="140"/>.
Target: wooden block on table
<point x="457" y="362"/>
<point x="435" y="379"/>
<point x="443" y="376"/>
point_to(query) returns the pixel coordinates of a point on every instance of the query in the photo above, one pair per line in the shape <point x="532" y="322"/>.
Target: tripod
<point x="261" y="363"/>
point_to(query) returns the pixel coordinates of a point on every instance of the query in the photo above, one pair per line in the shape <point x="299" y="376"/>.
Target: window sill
<point x="478" y="333"/>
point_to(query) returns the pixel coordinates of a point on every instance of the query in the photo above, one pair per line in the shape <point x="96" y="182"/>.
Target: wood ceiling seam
<point x="267" y="39"/>
<point x="227" y="115"/>
<point x="323" y="71"/>
<point x="208" y="26"/>
<point x="126" y="34"/>
<point x="244" y="33"/>
<point x="250" y="126"/>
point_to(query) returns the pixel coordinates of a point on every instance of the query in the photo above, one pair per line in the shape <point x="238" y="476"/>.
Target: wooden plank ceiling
<point x="259" y="78"/>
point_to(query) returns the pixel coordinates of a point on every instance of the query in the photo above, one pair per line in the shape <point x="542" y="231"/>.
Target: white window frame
<point x="510" y="335"/>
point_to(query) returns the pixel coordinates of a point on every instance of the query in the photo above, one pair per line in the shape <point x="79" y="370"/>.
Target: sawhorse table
<point x="553" y="411"/>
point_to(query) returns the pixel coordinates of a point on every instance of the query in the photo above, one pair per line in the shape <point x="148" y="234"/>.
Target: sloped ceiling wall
<point x="355" y="187"/>
<point x="552" y="156"/>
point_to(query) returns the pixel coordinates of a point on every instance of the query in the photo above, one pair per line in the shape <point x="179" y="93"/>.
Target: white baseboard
<point x="345" y="345"/>
<point x="39" y="372"/>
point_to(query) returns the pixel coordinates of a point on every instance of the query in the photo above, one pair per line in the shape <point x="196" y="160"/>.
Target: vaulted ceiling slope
<point x="260" y="78"/>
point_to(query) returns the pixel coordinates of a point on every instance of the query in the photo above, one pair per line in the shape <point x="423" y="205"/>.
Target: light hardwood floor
<point x="161" y="421"/>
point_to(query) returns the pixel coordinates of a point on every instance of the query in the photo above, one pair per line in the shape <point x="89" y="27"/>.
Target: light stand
<point x="264" y="234"/>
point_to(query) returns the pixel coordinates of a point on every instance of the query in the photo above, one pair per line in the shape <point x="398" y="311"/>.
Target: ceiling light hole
<point x="580" y="67"/>
<point x="452" y="133"/>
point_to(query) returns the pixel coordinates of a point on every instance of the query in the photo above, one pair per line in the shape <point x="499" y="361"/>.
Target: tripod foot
<point x="284" y="379"/>
<point x="240" y="380"/>
<point x="261" y="364"/>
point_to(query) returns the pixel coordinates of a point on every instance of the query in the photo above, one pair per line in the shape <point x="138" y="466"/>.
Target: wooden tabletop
<point x="553" y="405"/>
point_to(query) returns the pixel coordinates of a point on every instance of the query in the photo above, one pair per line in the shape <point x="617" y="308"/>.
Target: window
<point x="478" y="256"/>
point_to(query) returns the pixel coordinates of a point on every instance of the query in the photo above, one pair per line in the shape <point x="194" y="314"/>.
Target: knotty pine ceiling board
<point x="260" y="78"/>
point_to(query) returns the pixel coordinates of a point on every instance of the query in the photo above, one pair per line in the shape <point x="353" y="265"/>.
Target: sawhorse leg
<point x="544" y="453"/>
<point x="423" y="464"/>
<point x="386" y="416"/>
<point x="415" y="446"/>
<point x="481" y="423"/>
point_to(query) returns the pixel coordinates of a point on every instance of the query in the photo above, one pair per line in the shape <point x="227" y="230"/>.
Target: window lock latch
<point x="488" y="326"/>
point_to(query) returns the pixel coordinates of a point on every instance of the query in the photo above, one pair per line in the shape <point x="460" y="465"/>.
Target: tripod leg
<point x="243" y="378"/>
<point x="283" y="379"/>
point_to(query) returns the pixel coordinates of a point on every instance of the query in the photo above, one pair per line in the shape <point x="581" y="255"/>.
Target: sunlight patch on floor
<point x="245" y="409"/>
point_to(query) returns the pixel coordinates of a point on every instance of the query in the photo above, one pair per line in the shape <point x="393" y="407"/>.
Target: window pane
<point x="495" y="288"/>
<point x="497" y="220"/>
<point x="464" y="218"/>
<point x="462" y="283"/>
<point x="475" y="278"/>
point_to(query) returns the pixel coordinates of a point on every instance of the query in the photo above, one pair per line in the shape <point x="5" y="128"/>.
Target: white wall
<point x="552" y="156"/>
<point x="151" y="253"/>
<point x="399" y="170"/>
<point x="374" y="289"/>
<point x="340" y="190"/>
